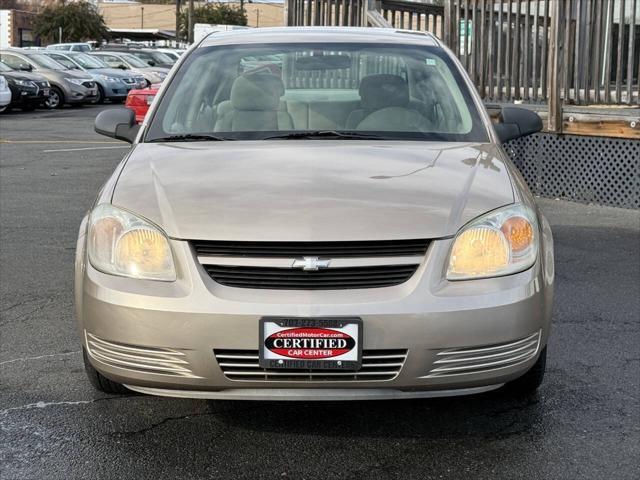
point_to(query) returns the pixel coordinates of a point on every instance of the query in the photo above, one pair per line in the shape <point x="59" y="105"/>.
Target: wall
<point x="164" y="16"/>
<point x="15" y="29"/>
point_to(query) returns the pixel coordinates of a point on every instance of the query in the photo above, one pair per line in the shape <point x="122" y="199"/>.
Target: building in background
<point x="118" y="15"/>
<point x="16" y="29"/>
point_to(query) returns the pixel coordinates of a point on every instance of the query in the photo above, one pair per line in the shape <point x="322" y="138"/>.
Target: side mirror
<point x="123" y="67"/>
<point x="516" y="122"/>
<point x="25" y="67"/>
<point x="151" y="63"/>
<point x="119" y="123"/>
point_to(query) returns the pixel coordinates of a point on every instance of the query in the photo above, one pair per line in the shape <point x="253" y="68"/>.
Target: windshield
<point x="87" y="61"/>
<point x="133" y="60"/>
<point x="43" y="61"/>
<point x="253" y="92"/>
<point x="4" y="68"/>
<point x="155" y="57"/>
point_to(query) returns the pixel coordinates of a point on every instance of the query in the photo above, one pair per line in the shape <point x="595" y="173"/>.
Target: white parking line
<point x="86" y="148"/>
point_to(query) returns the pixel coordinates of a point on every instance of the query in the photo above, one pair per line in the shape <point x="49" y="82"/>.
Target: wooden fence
<point x="555" y="55"/>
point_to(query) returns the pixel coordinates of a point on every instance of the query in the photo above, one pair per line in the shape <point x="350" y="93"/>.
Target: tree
<point x="80" y="21"/>
<point x="214" y="13"/>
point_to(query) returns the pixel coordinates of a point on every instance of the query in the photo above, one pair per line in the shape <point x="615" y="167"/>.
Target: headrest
<point x="257" y="92"/>
<point x="383" y="90"/>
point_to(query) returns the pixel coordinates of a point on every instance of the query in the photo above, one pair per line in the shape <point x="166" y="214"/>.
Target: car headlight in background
<point x="108" y="78"/>
<point x="119" y="243"/>
<point x="499" y="243"/>
<point x="24" y="83"/>
<point x="75" y="81"/>
<point x="162" y="75"/>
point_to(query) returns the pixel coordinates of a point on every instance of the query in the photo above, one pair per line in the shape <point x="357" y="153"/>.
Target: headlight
<point x="75" y="81"/>
<point x="502" y="242"/>
<point x="119" y="243"/>
<point x="24" y="83"/>
<point x="108" y="78"/>
<point x="160" y="74"/>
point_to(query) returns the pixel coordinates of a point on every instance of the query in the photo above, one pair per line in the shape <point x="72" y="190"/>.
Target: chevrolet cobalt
<point x="315" y="214"/>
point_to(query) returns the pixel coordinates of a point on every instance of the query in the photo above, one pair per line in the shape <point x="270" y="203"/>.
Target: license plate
<point x="311" y="343"/>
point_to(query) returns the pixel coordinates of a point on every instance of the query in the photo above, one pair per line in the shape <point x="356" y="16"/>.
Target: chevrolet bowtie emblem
<point x="310" y="263"/>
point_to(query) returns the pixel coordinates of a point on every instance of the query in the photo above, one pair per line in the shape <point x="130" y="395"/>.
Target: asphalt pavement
<point x="583" y="423"/>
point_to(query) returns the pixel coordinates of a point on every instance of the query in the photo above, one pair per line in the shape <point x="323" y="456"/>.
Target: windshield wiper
<point x="191" y="137"/>
<point x="328" y="134"/>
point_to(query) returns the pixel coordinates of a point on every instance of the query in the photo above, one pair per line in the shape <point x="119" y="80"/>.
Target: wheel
<point x="56" y="98"/>
<point x="99" y="381"/>
<point x="528" y="383"/>
<point x="100" y="98"/>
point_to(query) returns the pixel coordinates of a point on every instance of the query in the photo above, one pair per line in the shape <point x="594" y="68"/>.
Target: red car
<point x="140" y="100"/>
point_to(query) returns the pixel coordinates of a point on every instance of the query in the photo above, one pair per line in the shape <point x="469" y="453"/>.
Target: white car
<point x="5" y="94"/>
<point x="71" y="47"/>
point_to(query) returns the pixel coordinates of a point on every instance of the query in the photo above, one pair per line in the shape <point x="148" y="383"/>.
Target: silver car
<point x="315" y="214"/>
<point x="126" y="61"/>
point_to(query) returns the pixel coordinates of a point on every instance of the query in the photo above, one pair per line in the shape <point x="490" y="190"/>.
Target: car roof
<point x="319" y="35"/>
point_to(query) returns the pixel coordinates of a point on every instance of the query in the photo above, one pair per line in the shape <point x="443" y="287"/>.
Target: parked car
<point x="5" y="94"/>
<point x="67" y="86"/>
<point x="139" y="101"/>
<point x="153" y="58"/>
<point x="126" y="61"/>
<point x="71" y="47"/>
<point x="174" y="53"/>
<point x="28" y="90"/>
<point x="113" y="84"/>
<point x="362" y="239"/>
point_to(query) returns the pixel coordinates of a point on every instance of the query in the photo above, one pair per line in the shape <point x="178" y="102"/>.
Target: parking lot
<point x="583" y="423"/>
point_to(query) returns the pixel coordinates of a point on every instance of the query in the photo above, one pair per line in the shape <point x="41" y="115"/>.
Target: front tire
<point x="528" y="383"/>
<point x="55" y="100"/>
<point x="100" y="99"/>
<point x="99" y="381"/>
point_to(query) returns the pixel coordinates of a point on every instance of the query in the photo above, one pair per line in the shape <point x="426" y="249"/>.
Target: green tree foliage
<point x="214" y="13"/>
<point x="80" y="21"/>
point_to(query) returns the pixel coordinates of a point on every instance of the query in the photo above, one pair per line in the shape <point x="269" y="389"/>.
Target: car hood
<point x="304" y="190"/>
<point x="111" y="72"/>
<point x="19" y="75"/>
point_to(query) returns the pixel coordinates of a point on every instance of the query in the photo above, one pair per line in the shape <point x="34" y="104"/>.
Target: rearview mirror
<point x="122" y="67"/>
<point x="119" y="123"/>
<point x="151" y="63"/>
<point x="25" y="67"/>
<point x="516" y="122"/>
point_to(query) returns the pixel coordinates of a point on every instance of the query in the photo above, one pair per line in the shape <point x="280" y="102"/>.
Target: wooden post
<point x="190" y="22"/>
<point x="178" y="2"/>
<point x="553" y="67"/>
<point x="448" y="13"/>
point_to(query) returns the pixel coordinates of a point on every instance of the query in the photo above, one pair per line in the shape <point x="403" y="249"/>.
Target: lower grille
<point x="159" y="361"/>
<point x="377" y="365"/>
<point x="328" y="279"/>
<point x="464" y="361"/>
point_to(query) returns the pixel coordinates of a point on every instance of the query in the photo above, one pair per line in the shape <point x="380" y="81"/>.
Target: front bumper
<point x="5" y="97"/>
<point x="79" y="94"/>
<point x="426" y="316"/>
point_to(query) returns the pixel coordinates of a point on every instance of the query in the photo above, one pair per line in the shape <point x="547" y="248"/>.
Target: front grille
<point x="159" y="361"/>
<point x="463" y="361"/>
<point x="377" y="365"/>
<point x="384" y="248"/>
<point x="293" y="279"/>
<point x="89" y="84"/>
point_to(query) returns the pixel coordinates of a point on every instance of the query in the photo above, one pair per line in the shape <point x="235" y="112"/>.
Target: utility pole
<point x="178" y="5"/>
<point x="190" y="23"/>
<point x="141" y="17"/>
